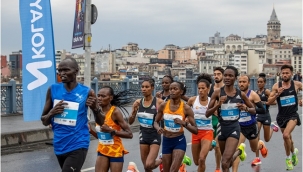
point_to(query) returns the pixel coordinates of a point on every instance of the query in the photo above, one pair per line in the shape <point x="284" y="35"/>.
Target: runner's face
<point x="261" y="83"/>
<point x="243" y="83"/>
<point x="104" y="97"/>
<point x="165" y="83"/>
<point x="146" y="88"/>
<point x="218" y="76"/>
<point x="229" y="77"/>
<point x="175" y="90"/>
<point x="202" y="89"/>
<point x="66" y="71"/>
<point x="286" y="74"/>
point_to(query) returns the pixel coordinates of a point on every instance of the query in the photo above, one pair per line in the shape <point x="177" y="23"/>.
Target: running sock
<point x="288" y="157"/>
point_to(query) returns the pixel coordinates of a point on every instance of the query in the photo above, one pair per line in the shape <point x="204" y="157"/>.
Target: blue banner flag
<point x="38" y="63"/>
<point x="78" y="34"/>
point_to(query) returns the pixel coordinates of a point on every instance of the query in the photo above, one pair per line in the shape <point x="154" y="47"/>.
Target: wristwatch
<point x="113" y="132"/>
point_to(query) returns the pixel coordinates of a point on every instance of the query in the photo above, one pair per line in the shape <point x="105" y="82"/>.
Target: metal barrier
<point x="11" y="93"/>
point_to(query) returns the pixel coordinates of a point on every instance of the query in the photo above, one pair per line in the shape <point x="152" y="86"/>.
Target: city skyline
<point x="153" y="24"/>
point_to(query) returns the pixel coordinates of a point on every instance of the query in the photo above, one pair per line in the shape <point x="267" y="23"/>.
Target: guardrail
<point x="11" y="92"/>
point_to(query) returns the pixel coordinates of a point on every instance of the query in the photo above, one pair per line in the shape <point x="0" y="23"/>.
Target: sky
<point x="155" y="23"/>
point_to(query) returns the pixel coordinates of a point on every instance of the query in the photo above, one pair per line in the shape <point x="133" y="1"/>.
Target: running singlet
<point x="169" y="116"/>
<point x="146" y="116"/>
<point x="70" y="128"/>
<point x="228" y="112"/>
<point x="203" y="123"/>
<point x="246" y="118"/>
<point x="211" y="90"/>
<point x="288" y="101"/>
<point x="110" y="145"/>
<point x="165" y="98"/>
<point x="263" y="98"/>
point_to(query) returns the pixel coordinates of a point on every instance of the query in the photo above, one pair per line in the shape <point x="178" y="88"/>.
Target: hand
<point x="59" y="108"/>
<point x="92" y="102"/>
<point x="105" y="128"/>
<point x="241" y="106"/>
<point x="136" y="106"/>
<point x="222" y="100"/>
<point x="179" y="121"/>
<point x="280" y="90"/>
<point x="160" y="131"/>
<point x="158" y="94"/>
<point x="300" y="102"/>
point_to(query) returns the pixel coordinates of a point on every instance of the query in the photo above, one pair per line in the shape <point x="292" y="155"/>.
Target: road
<point x="44" y="160"/>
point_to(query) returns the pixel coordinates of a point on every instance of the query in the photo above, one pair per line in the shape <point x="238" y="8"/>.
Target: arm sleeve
<point x="260" y="108"/>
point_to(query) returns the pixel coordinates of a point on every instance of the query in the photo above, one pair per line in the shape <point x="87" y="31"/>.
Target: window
<point x="209" y="67"/>
<point x="204" y="67"/>
<point x="288" y="51"/>
<point x="295" y="58"/>
<point x="295" y="62"/>
<point x="276" y="57"/>
<point x="284" y="51"/>
<point x="299" y="66"/>
<point x="289" y="56"/>
<point x="284" y="56"/>
<point x="280" y="56"/>
<point x="280" y="51"/>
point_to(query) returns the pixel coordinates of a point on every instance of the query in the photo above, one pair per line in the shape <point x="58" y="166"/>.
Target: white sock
<point x="288" y="157"/>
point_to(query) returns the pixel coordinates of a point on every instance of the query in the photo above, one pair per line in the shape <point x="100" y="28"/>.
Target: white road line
<point x="88" y="169"/>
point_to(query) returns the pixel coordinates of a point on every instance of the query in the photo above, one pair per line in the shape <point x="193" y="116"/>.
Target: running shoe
<point x="186" y="160"/>
<point x="217" y="170"/>
<point x="294" y="157"/>
<point x="289" y="165"/>
<point x="263" y="150"/>
<point x="256" y="161"/>
<point x="214" y="143"/>
<point x="243" y="155"/>
<point x="274" y="127"/>
<point x="132" y="167"/>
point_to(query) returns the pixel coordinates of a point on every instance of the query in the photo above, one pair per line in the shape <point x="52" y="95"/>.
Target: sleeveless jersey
<point x="211" y="90"/>
<point x="203" y="123"/>
<point x="165" y="98"/>
<point x="246" y="118"/>
<point x="110" y="145"/>
<point x="229" y="113"/>
<point x="70" y="128"/>
<point x="264" y="99"/>
<point x="146" y="116"/>
<point x="288" y="101"/>
<point x="169" y="116"/>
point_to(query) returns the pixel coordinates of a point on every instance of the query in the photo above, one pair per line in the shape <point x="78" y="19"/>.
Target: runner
<point x="218" y="77"/>
<point x="285" y="92"/>
<point x="164" y="94"/>
<point x="230" y="102"/>
<point x="202" y="141"/>
<point x="174" y="112"/>
<point x="146" y="110"/>
<point x="248" y="123"/>
<point x="71" y="139"/>
<point x="110" y="148"/>
<point x="265" y="119"/>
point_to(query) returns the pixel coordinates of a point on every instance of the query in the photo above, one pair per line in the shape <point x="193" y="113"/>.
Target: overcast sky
<point x="155" y="23"/>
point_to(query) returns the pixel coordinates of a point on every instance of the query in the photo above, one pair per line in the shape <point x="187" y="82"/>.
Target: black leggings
<point x="72" y="161"/>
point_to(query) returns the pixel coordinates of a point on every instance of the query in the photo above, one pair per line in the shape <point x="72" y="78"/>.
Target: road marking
<point x="88" y="169"/>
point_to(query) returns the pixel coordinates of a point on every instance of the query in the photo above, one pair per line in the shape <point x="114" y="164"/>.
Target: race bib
<point x="202" y="122"/>
<point x="230" y="111"/>
<point x="287" y="100"/>
<point x="169" y="123"/>
<point x="145" y="119"/>
<point x="69" y="115"/>
<point x="105" y="138"/>
<point x="244" y="116"/>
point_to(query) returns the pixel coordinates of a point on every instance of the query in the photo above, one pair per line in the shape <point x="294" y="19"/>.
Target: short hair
<point x="286" y="66"/>
<point x="204" y="77"/>
<point x="74" y="62"/>
<point x="234" y="69"/>
<point x="170" y="77"/>
<point x="151" y="81"/>
<point x="219" y="69"/>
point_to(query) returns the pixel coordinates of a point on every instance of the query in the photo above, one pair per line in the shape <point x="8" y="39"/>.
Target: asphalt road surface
<point x="44" y="160"/>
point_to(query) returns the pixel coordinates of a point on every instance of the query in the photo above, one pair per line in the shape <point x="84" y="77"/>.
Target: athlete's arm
<point x="190" y="117"/>
<point x="159" y="94"/>
<point x="214" y="106"/>
<point x="267" y="93"/>
<point x="249" y="106"/>
<point x="184" y="97"/>
<point x="92" y="102"/>
<point x="134" y="112"/>
<point x="190" y="101"/>
<point x="159" y="101"/>
<point x="274" y="93"/>
<point x="91" y="131"/>
<point x="298" y="85"/>
<point x="118" y="118"/>
<point x="259" y="105"/>
<point x="48" y="111"/>
<point x="158" y="118"/>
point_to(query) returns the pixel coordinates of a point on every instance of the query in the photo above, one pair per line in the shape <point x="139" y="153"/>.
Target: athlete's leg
<point x="230" y="148"/>
<point x="151" y="162"/>
<point x="102" y="163"/>
<point x="218" y="155"/>
<point x="205" y="144"/>
<point x="195" y="149"/>
<point x="116" y="166"/>
<point x="166" y="162"/>
<point x="74" y="160"/>
<point x="144" y="151"/>
<point x="267" y="132"/>
<point x="177" y="157"/>
<point x="236" y="159"/>
<point x="288" y="143"/>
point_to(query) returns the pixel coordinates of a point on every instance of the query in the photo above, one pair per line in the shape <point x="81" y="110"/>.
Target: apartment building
<point x="278" y="53"/>
<point x="239" y="60"/>
<point x="207" y="65"/>
<point x="216" y="39"/>
<point x="233" y="43"/>
<point x="296" y="59"/>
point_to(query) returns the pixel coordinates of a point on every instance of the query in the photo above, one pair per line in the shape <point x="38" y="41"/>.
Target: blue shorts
<point x="169" y="144"/>
<point x="113" y="159"/>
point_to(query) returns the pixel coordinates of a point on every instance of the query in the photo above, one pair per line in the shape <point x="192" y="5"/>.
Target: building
<point x="296" y="59"/>
<point x="255" y="61"/>
<point x="273" y="69"/>
<point x="15" y="60"/>
<point x="233" y="43"/>
<point x="216" y="39"/>
<point x="273" y="27"/>
<point x="105" y="61"/>
<point x="207" y="65"/>
<point x="131" y="47"/>
<point x="3" y="61"/>
<point x="278" y="53"/>
<point x="239" y="60"/>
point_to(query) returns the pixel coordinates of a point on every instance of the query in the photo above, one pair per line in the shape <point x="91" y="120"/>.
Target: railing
<point x="11" y="93"/>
